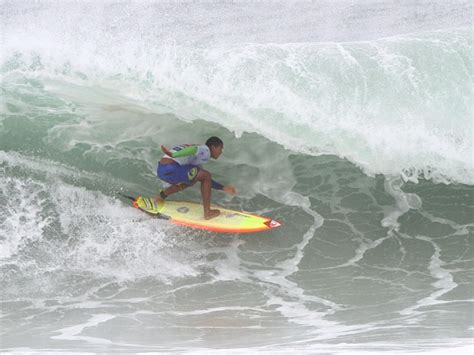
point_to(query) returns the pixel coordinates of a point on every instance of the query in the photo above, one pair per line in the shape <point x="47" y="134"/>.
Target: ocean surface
<point x="349" y="121"/>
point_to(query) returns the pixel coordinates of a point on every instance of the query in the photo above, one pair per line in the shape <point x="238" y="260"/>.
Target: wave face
<point x="349" y="123"/>
<point x="389" y="106"/>
<point x="400" y="105"/>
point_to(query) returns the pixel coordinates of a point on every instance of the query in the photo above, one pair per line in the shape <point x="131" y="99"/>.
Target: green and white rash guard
<point x="190" y="154"/>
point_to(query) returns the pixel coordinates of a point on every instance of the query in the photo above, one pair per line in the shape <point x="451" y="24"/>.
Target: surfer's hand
<point x="229" y="189"/>
<point x="166" y="151"/>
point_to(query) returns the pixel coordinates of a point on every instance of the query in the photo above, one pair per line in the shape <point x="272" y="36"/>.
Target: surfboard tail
<point x="145" y="205"/>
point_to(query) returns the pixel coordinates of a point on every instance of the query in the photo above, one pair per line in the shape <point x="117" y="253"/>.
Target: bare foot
<point x="211" y="214"/>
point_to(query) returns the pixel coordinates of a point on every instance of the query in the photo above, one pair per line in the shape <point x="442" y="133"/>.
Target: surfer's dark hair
<point x="214" y="141"/>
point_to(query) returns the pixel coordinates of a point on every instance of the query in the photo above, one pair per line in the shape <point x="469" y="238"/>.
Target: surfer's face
<point x="216" y="151"/>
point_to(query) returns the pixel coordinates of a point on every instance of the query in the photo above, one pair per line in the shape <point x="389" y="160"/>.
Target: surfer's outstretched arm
<point x="229" y="189"/>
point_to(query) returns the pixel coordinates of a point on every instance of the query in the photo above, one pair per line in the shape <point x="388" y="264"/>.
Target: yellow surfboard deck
<point x="191" y="215"/>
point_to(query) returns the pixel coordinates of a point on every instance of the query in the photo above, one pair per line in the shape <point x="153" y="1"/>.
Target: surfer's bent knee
<point x="203" y="175"/>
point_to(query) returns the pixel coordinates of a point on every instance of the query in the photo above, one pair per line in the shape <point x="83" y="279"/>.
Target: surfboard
<point x="190" y="214"/>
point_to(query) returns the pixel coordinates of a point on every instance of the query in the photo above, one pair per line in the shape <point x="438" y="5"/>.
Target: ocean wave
<point x="395" y="106"/>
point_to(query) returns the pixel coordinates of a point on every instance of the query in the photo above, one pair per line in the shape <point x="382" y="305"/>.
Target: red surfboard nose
<point x="272" y="224"/>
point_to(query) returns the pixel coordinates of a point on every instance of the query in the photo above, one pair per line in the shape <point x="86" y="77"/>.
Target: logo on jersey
<point x="180" y="147"/>
<point x="192" y="173"/>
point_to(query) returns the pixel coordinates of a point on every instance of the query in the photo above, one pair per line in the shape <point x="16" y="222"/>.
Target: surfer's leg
<point x="179" y="176"/>
<point x="204" y="177"/>
<point x="171" y="190"/>
<point x="174" y="188"/>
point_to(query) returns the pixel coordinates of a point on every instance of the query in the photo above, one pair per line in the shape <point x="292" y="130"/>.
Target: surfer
<point x="182" y="167"/>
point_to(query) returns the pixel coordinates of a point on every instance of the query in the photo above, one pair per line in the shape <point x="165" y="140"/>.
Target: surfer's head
<point x="215" y="145"/>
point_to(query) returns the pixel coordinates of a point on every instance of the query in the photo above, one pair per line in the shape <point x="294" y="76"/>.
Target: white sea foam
<point x="73" y="332"/>
<point x="21" y="220"/>
<point x="404" y="202"/>
<point x="443" y="285"/>
<point x="104" y="236"/>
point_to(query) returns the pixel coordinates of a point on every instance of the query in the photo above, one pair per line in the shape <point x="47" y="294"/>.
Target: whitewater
<point x="350" y="122"/>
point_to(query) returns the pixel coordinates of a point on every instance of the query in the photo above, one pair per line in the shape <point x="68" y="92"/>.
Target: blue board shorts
<point x="177" y="174"/>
